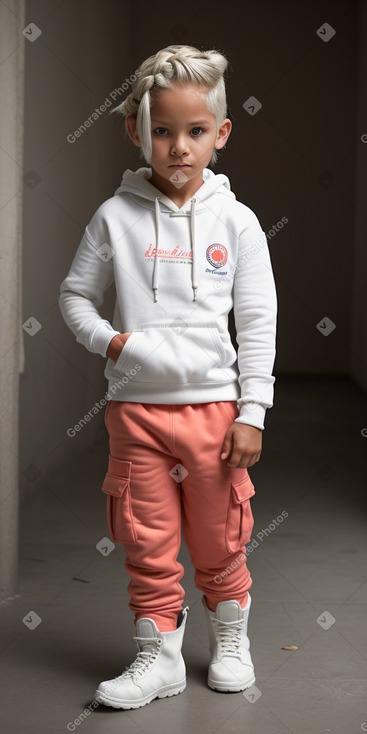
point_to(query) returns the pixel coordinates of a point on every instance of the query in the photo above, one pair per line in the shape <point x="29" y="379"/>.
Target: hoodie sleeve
<point x="255" y="314"/>
<point x="81" y="293"/>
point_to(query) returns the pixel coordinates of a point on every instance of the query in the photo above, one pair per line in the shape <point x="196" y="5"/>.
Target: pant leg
<point x="146" y="518"/>
<point x="217" y="515"/>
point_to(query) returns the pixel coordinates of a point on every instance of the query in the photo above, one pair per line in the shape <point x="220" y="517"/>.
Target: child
<point x="186" y="411"/>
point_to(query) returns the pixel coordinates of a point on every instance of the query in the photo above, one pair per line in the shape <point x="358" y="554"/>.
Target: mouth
<point x="179" y="165"/>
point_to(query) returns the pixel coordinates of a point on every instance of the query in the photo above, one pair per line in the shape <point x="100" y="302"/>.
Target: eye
<point x="196" y="131"/>
<point x="160" y="130"/>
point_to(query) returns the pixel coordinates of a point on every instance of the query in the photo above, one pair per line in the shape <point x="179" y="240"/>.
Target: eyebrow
<point x="196" y="122"/>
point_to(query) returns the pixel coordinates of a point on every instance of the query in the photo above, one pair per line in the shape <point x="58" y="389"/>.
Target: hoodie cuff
<point x="102" y="337"/>
<point x="252" y="414"/>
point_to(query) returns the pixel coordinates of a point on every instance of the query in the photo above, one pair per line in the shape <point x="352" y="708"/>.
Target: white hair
<point x="181" y="65"/>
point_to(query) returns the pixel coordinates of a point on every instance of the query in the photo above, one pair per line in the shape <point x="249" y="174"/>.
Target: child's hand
<point x="242" y="444"/>
<point x="116" y="346"/>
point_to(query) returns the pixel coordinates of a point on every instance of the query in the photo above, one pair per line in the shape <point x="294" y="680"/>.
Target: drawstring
<point x="193" y="272"/>
<point x="156" y="259"/>
<point x="155" y="278"/>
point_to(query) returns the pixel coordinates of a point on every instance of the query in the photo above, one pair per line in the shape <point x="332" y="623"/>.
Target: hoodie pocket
<point x="240" y="521"/>
<point x="176" y="352"/>
<point x="116" y="486"/>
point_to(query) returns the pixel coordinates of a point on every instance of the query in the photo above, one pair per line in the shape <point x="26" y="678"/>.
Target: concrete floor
<point x="313" y="565"/>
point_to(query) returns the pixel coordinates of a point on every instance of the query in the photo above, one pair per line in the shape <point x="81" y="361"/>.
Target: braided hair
<point x="175" y="64"/>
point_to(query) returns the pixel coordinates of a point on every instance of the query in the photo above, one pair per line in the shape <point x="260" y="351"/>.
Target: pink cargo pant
<point x="164" y="465"/>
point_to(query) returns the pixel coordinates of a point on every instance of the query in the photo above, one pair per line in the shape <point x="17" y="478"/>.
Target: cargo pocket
<point x="116" y="486"/>
<point x="240" y="521"/>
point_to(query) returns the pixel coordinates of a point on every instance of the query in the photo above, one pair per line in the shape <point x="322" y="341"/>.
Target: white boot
<point x="231" y="667"/>
<point x="158" y="671"/>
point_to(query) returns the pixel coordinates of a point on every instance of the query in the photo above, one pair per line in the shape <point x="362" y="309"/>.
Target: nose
<point x="179" y="146"/>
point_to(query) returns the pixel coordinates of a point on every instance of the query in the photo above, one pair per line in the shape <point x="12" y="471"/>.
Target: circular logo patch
<point x="217" y="255"/>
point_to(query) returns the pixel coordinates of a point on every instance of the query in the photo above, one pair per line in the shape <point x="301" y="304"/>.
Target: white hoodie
<point x="178" y="273"/>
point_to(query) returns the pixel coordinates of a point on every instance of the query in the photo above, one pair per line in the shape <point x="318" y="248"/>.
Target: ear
<point x="130" y="124"/>
<point x="223" y="134"/>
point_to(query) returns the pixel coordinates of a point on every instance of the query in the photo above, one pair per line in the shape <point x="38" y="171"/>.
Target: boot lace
<point x="144" y="658"/>
<point x="229" y="637"/>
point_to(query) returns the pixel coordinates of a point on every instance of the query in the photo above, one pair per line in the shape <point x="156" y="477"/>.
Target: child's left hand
<point x="242" y="444"/>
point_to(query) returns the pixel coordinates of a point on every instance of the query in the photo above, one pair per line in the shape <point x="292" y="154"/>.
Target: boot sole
<point x="170" y="690"/>
<point x="230" y="687"/>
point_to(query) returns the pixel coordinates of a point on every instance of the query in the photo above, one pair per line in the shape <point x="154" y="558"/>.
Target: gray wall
<point x="296" y="158"/>
<point x="358" y="357"/>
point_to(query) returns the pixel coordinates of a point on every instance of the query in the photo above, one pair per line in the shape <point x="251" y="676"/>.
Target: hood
<point x="138" y="184"/>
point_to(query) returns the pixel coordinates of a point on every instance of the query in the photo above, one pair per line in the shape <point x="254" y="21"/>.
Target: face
<point x="183" y="138"/>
